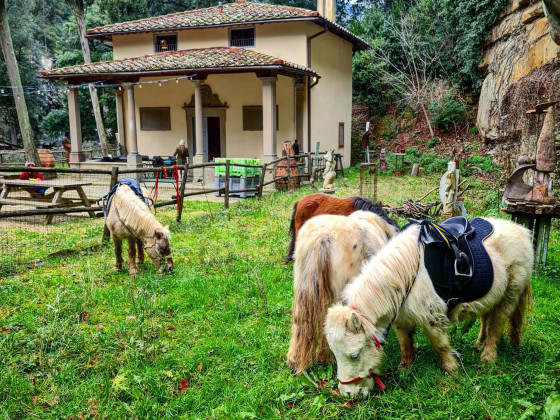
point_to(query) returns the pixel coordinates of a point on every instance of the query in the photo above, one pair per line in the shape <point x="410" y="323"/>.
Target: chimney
<point x="327" y="8"/>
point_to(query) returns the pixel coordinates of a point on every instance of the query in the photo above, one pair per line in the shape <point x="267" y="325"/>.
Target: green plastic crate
<point x="239" y="171"/>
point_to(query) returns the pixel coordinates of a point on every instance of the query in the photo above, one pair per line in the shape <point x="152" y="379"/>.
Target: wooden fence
<point x="308" y="162"/>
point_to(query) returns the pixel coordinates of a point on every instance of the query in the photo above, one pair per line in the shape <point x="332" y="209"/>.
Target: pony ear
<point x="354" y="324"/>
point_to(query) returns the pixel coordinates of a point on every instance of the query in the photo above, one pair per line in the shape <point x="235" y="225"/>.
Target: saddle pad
<point x="133" y="184"/>
<point x="439" y="261"/>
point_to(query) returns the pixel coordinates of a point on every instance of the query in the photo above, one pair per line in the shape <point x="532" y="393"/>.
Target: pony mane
<point x="361" y="203"/>
<point x="134" y="212"/>
<point x="377" y="292"/>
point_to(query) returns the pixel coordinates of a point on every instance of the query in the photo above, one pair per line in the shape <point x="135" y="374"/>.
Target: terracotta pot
<point x="281" y="171"/>
<point x="46" y="157"/>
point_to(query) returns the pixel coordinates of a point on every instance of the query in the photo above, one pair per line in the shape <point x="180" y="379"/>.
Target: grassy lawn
<point x="79" y="340"/>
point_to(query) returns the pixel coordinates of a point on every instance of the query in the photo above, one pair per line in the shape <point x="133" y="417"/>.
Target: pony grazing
<point x="315" y="204"/>
<point x="329" y="251"/>
<point x="395" y="288"/>
<point x="129" y="217"/>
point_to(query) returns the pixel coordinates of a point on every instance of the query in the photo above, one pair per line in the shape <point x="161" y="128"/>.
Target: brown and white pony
<point x="128" y="217"/>
<point x="375" y="298"/>
<point x="329" y="251"/>
<point x="315" y="204"/>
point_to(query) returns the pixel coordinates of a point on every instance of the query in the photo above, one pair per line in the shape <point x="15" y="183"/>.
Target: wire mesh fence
<point x="47" y="213"/>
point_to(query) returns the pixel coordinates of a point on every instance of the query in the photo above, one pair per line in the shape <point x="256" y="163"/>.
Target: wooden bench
<point x="25" y="202"/>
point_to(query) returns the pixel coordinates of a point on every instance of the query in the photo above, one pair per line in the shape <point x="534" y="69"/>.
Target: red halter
<point x="359" y="378"/>
<point x="371" y="375"/>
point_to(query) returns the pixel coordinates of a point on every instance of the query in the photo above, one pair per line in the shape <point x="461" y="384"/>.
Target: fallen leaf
<point x="5" y="330"/>
<point x="34" y="399"/>
<point x="184" y="385"/>
<point x="84" y="316"/>
<point x="200" y="366"/>
<point x="349" y="403"/>
<point x="272" y="327"/>
<point x="93" y="413"/>
<point x="100" y="327"/>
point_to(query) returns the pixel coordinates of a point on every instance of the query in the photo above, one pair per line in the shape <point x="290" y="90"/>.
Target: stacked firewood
<point x="416" y="209"/>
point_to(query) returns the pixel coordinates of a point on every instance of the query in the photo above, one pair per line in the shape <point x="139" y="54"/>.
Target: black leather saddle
<point x="458" y="264"/>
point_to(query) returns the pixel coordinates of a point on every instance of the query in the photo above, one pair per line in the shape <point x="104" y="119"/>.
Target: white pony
<point x="329" y="251"/>
<point x="128" y="217"/>
<point x="374" y="298"/>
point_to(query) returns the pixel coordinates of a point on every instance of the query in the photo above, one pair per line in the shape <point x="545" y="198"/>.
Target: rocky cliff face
<point x="520" y="43"/>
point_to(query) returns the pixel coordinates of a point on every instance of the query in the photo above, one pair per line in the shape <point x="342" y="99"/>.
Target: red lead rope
<point x="359" y="378"/>
<point x="156" y="187"/>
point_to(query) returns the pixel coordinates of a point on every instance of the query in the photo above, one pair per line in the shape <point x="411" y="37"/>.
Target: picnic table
<point x="53" y="199"/>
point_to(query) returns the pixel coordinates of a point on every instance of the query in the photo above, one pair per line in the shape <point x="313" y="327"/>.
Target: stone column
<point x="199" y="157"/>
<point x="299" y="92"/>
<point x="76" y="155"/>
<point x="133" y="158"/>
<point x="120" y="122"/>
<point x="269" y="118"/>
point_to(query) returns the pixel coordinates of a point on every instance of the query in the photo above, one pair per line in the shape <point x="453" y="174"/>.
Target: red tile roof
<point x="203" y="60"/>
<point x="239" y="12"/>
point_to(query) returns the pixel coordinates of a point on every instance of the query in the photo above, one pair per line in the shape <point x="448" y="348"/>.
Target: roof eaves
<point x="358" y="42"/>
<point x="279" y="68"/>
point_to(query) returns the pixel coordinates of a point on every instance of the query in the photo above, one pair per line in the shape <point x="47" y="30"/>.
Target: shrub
<point x="432" y="142"/>
<point x="412" y="154"/>
<point x="432" y="164"/>
<point x="474" y="130"/>
<point x="447" y="111"/>
<point x="485" y="164"/>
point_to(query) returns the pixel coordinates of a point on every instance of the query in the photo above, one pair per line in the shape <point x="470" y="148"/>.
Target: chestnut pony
<point x="315" y="204"/>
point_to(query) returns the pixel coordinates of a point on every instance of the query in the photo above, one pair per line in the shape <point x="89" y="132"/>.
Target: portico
<point x="232" y="95"/>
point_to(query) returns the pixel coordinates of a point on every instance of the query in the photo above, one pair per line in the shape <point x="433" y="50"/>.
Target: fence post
<point x="261" y="181"/>
<point x="309" y="166"/>
<point x="288" y="171"/>
<point x="226" y="186"/>
<point x="114" y="179"/>
<point x="182" y="192"/>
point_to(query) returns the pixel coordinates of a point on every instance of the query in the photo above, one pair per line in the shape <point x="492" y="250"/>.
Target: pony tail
<point x="313" y="295"/>
<point x="290" y="255"/>
<point x="516" y="319"/>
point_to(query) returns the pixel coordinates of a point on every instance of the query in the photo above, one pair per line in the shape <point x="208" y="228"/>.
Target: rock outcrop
<point x="521" y="41"/>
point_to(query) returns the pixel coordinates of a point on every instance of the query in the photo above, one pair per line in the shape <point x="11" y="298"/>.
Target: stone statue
<point x="329" y="174"/>
<point x="448" y="193"/>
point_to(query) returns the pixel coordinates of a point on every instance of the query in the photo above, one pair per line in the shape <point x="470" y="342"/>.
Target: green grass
<point x="210" y="340"/>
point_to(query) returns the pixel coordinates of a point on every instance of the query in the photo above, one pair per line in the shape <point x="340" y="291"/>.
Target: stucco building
<point x="242" y="78"/>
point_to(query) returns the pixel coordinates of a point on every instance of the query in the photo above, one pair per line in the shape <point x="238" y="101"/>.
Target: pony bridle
<point x="371" y="374"/>
<point x="386" y="332"/>
<point x="380" y="348"/>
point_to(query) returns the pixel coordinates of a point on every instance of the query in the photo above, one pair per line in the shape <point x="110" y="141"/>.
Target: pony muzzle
<point x="169" y="264"/>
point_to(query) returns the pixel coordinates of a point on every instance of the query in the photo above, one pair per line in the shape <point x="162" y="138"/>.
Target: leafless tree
<point x="413" y="74"/>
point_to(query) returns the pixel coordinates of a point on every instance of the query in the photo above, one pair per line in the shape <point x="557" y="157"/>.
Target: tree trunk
<point x="78" y="10"/>
<point x="13" y="133"/>
<point x="427" y="120"/>
<point x="18" y="93"/>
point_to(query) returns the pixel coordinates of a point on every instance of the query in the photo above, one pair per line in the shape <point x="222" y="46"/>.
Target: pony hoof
<point x="478" y="345"/>
<point x="488" y="356"/>
<point x="450" y="368"/>
<point x="133" y="272"/>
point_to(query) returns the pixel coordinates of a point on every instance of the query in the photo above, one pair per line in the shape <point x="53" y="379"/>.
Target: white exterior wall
<point x="237" y="90"/>
<point x="331" y="101"/>
<point x="331" y="98"/>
